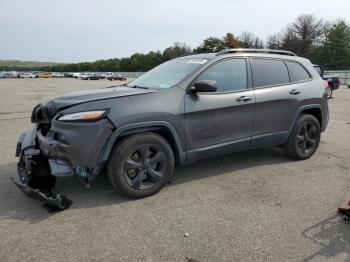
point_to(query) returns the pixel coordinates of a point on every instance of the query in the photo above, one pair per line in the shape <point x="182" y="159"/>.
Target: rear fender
<point x="303" y="108"/>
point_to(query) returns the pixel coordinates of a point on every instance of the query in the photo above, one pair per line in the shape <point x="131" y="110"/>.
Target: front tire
<point x="304" y="139"/>
<point x="140" y="165"/>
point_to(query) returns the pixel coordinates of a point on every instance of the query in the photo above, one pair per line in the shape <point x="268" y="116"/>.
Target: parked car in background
<point x="14" y="74"/>
<point x="84" y="76"/>
<point x="27" y="75"/>
<point x="77" y="75"/>
<point x="332" y="80"/>
<point x="186" y="109"/>
<point x="328" y="89"/>
<point x="10" y="74"/>
<point x="2" y="75"/>
<point x="36" y="74"/>
<point x="68" y="75"/>
<point x="45" y="75"/>
<point x="90" y="76"/>
<point x="108" y="74"/>
<point x="57" y="74"/>
<point x="116" y="77"/>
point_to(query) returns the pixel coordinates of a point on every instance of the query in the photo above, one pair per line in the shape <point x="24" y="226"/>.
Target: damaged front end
<point x="54" y="148"/>
<point x="35" y="179"/>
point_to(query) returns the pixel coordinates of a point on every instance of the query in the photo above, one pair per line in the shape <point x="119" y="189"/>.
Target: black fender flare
<point x="301" y="109"/>
<point x="141" y="127"/>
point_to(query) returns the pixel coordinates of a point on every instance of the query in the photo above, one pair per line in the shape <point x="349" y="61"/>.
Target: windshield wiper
<point x="136" y="86"/>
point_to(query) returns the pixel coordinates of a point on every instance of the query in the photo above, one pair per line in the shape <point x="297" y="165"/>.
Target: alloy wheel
<point x="145" y="166"/>
<point x="306" y="139"/>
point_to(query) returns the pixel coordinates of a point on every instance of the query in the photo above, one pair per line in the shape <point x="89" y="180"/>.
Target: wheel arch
<point x="314" y="110"/>
<point x="162" y="128"/>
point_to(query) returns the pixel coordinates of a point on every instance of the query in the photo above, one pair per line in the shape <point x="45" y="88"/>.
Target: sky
<point x="88" y="30"/>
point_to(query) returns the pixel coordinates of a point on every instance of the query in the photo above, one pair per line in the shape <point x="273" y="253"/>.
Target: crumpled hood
<point x="44" y="112"/>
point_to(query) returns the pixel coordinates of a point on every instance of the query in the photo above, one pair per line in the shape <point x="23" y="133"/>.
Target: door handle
<point x="244" y="98"/>
<point x="294" y="92"/>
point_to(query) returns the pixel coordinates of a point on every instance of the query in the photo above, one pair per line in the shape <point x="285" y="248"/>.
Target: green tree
<point x="229" y="41"/>
<point x="249" y="40"/>
<point x="210" y="45"/>
<point x="274" y="41"/>
<point x="334" y="52"/>
<point x="215" y="44"/>
<point x="177" y="50"/>
<point x="304" y="33"/>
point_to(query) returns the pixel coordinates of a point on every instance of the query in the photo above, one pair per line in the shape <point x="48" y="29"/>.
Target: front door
<point x="221" y="121"/>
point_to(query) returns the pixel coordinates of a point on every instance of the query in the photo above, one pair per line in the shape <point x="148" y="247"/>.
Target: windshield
<point x="168" y="74"/>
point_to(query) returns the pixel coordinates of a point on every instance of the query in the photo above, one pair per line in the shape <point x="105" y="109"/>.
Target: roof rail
<point x="249" y="50"/>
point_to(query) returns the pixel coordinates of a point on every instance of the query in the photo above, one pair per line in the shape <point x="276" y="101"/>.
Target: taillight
<point x="325" y="83"/>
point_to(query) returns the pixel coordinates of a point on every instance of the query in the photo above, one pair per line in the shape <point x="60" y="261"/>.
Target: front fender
<point x="142" y="125"/>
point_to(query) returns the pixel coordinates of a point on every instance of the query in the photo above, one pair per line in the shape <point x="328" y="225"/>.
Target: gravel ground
<point x="250" y="206"/>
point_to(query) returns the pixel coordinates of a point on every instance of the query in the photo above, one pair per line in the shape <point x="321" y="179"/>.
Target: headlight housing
<point x="83" y="116"/>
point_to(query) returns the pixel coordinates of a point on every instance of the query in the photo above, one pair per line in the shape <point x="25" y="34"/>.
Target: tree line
<point x="324" y="43"/>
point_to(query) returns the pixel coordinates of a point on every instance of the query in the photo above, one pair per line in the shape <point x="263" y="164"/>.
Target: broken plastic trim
<point x="59" y="201"/>
<point x="34" y="173"/>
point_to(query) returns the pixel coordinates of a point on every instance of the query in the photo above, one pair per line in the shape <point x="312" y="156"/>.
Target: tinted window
<point x="269" y="72"/>
<point x="298" y="71"/>
<point x="230" y="75"/>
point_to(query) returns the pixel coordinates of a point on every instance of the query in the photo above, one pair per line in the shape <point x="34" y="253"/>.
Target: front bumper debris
<point x="58" y="201"/>
<point x="60" y="149"/>
<point x="36" y="172"/>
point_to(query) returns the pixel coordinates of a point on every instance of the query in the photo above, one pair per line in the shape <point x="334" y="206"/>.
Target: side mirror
<point x="204" y="86"/>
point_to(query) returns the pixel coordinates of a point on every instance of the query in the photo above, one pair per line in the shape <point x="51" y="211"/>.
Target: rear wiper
<point x="136" y="86"/>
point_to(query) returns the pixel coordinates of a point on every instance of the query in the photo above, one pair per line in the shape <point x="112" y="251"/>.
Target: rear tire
<point x="304" y="139"/>
<point x="140" y="165"/>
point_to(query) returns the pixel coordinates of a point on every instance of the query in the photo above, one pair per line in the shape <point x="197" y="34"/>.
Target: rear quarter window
<point x="268" y="72"/>
<point x="298" y="72"/>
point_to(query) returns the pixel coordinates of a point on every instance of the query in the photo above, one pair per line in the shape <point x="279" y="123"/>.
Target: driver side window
<point x="230" y="75"/>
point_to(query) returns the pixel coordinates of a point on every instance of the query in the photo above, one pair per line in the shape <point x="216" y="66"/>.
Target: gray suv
<point x="186" y="109"/>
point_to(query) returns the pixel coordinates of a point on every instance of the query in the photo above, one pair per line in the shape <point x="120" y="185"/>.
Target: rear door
<point x="278" y="98"/>
<point x="221" y="121"/>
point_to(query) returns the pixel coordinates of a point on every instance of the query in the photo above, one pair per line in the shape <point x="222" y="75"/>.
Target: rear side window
<point x="230" y="75"/>
<point x="298" y="72"/>
<point x="267" y="72"/>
